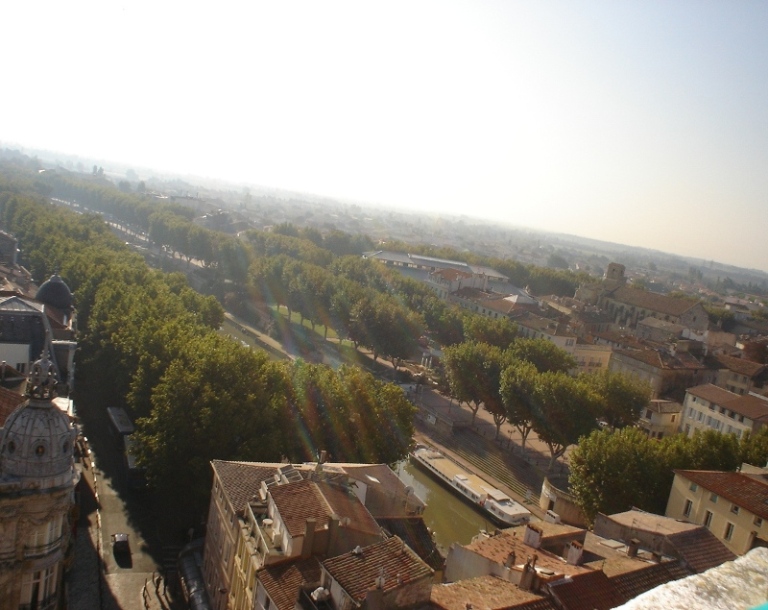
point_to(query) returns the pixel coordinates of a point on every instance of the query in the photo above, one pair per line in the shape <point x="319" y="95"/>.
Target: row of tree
<point x="150" y="342"/>
<point x="530" y="386"/>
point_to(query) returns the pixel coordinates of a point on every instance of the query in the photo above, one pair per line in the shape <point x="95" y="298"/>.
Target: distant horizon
<point x="233" y="186"/>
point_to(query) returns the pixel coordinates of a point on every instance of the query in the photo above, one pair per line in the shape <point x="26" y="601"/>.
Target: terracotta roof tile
<point x="498" y="547"/>
<point x="631" y="584"/>
<point x="487" y="593"/>
<point x="739" y="365"/>
<point x="299" y="501"/>
<point x="284" y="580"/>
<point x="645" y="299"/>
<point x="590" y="591"/>
<point x="712" y="393"/>
<point x="357" y="572"/>
<point x="700" y="549"/>
<point x="752" y="407"/>
<point x="748" y="492"/>
<point x="242" y="480"/>
<point x="346" y="504"/>
<point x="302" y="500"/>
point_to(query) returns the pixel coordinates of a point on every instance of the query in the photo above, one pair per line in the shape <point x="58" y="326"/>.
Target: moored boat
<point x="492" y="502"/>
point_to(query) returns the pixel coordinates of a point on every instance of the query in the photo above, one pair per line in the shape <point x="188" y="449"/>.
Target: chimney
<point x="532" y="536"/>
<point x="309" y="538"/>
<point x="529" y="572"/>
<point x="632" y="547"/>
<point x="575" y="552"/>
<point x="511" y="558"/>
<point x="333" y="534"/>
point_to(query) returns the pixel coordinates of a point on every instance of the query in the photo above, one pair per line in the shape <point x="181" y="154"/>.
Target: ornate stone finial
<point x="42" y="379"/>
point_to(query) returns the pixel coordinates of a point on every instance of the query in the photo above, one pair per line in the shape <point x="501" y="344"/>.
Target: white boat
<point x="494" y="503"/>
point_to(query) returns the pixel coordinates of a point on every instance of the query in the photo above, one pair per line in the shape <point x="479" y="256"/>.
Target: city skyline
<point x="640" y="123"/>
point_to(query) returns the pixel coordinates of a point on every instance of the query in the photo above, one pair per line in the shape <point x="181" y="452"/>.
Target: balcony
<point x="41" y="550"/>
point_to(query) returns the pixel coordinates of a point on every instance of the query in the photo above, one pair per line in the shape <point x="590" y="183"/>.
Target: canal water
<point x="448" y="516"/>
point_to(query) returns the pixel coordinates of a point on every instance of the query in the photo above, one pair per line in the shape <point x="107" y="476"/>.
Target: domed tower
<point x="56" y="293"/>
<point x="37" y="482"/>
<point x="59" y="308"/>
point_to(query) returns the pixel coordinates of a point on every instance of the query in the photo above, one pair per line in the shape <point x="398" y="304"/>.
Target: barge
<point x="490" y="501"/>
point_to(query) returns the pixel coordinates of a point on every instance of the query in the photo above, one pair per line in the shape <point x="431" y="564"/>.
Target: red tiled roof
<point x="498" y="547"/>
<point x="346" y="504"/>
<point x="752" y="407"/>
<point x="631" y="584"/>
<point x="357" y="572"/>
<point x="712" y="393"/>
<point x="242" y="480"/>
<point x="748" y="492"/>
<point x="700" y="549"/>
<point x="486" y="593"/>
<point x="297" y="502"/>
<point x="9" y="402"/>
<point x="302" y="500"/>
<point x="590" y="591"/>
<point x="652" y="301"/>
<point x="739" y="365"/>
<point x="662" y="360"/>
<point x="283" y="580"/>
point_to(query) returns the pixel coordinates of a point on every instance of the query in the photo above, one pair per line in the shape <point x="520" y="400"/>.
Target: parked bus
<point x="121" y="423"/>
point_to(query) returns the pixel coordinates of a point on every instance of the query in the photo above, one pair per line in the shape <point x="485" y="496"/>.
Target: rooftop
<point x="748" y="491"/>
<point x="283" y="580"/>
<point x="358" y="570"/>
<point x="486" y="593"/>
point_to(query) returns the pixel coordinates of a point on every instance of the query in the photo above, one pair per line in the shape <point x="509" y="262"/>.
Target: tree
<point x="463" y="366"/>
<point x="543" y="354"/>
<point x="753" y="448"/>
<point x="565" y="411"/>
<point x="620" y="398"/>
<point x="216" y="400"/>
<point x="612" y="471"/>
<point x="500" y="332"/>
<point x="518" y="382"/>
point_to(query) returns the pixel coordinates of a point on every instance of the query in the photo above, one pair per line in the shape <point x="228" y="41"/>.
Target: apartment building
<point x="709" y="407"/>
<point x="732" y="505"/>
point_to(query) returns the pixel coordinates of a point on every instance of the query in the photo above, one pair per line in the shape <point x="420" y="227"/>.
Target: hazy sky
<point x="637" y="122"/>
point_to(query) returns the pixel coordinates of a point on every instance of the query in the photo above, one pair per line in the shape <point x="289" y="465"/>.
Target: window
<point x="728" y="531"/>
<point x="693" y="487"/>
<point x="648" y="414"/>
<point x="673" y="418"/>
<point x="713" y="498"/>
<point x="38" y="589"/>
<point x="734" y="509"/>
<point x="687" y="509"/>
<point x="758" y="521"/>
<point x="708" y="519"/>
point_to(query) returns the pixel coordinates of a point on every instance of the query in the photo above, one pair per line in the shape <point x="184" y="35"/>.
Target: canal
<point x="447" y="515"/>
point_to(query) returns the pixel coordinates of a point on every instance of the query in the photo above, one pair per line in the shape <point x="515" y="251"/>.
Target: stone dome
<point x="56" y="293"/>
<point x="37" y="439"/>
